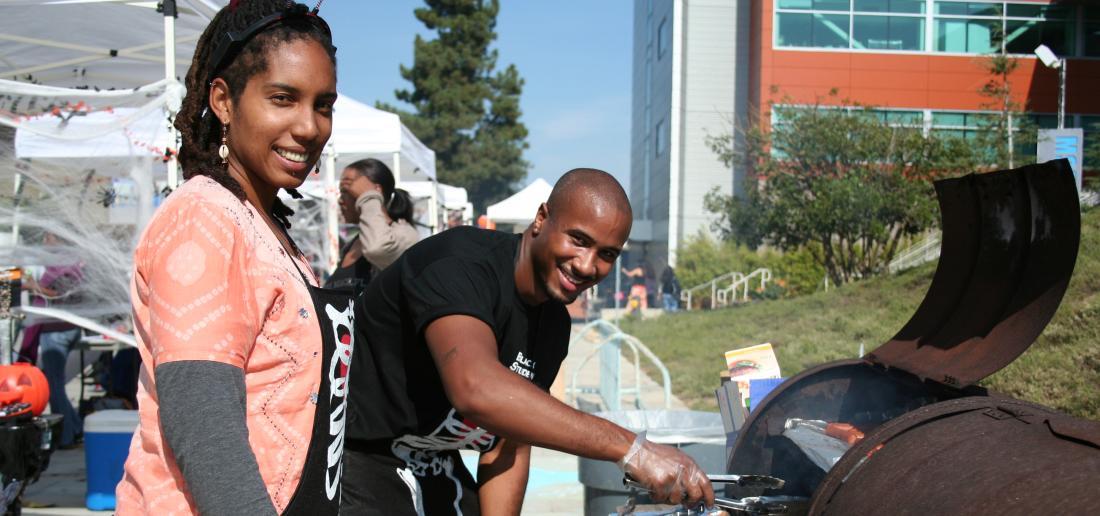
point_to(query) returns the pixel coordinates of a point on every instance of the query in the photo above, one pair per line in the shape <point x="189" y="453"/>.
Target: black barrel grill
<point x="936" y="443"/>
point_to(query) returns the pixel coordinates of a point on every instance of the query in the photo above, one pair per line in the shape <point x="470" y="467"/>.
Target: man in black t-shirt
<point x="458" y="342"/>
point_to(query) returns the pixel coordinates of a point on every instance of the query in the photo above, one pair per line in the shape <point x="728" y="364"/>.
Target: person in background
<point x="245" y="360"/>
<point x="670" y="290"/>
<point x="57" y="288"/>
<point x="638" y="288"/>
<point x="384" y="216"/>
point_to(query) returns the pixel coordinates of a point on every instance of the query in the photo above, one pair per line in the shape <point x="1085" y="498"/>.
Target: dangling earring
<point x="223" y="151"/>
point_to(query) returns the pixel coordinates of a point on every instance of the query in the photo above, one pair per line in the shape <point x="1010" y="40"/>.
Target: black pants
<point x="376" y="482"/>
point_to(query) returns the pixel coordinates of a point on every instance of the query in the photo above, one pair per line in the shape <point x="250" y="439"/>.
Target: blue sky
<point x="574" y="56"/>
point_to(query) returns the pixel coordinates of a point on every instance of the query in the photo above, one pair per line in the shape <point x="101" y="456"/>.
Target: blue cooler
<point x="107" y="436"/>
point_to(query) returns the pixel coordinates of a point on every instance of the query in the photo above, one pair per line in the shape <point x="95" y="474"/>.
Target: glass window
<point x="1046" y="121"/>
<point x="949" y="119"/>
<point x="830" y="30"/>
<point x="1022" y="36"/>
<point x="888" y="32"/>
<point x="983" y="9"/>
<point x="663" y="38"/>
<point x="890" y="6"/>
<point x="662" y="140"/>
<point x="831" y="5"/>
<point x="812" y="30"/>
<point x="968" y="8"/>
<point x="905" y="117"/>
<point x="966" y="35"/>
<point x="1092" y="39"/>
<point x="1037" y="11"/>
<point x="815" y="5"/>
<point x="795" y="4"/>
<point x="793" y="30"/>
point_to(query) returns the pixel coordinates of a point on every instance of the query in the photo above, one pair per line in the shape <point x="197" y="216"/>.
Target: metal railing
<point x="728" y="295"/>
<point x="921" y="252"/>
<point x="610" y="352"/>
<point x="724" y="289"/>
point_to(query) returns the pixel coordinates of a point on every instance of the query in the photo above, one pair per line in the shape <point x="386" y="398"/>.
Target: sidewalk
<point x="552" y="488"/>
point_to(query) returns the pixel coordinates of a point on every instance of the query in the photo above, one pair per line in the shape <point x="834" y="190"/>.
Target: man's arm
<point x="502" y="478"/>
<point x="482" y="390"/>
<point x="485" y="392"/>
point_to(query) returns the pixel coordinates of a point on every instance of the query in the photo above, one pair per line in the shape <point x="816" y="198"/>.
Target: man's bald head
<point x="588" y="186"/>
<point x="575" y="238"/>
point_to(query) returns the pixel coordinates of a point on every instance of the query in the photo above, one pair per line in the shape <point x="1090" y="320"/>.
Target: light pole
<point x="1046" y="55"/>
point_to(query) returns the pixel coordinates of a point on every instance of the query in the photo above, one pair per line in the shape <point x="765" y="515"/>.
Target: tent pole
<point x="433" y="210"/>
<point x="170" y="14"/>
<point x="18" y="180"/>
<point x="332" y="211"/>
<point x="397" y="170"/>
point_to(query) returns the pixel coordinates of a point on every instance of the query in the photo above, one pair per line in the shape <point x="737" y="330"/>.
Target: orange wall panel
<point x="920" y="81"/>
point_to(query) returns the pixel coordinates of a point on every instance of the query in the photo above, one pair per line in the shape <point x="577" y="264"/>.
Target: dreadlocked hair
<point x="199" y="128"/>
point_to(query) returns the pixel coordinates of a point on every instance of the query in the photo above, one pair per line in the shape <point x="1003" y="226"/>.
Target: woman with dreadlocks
<point x="245" y="359"/>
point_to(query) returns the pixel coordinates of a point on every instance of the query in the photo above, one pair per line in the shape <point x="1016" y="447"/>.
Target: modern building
<point x="686" y="87"/>
<point x="700" y="64"/>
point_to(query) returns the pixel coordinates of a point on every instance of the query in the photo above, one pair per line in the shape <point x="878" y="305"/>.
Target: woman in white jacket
<point x="384" y="215"/>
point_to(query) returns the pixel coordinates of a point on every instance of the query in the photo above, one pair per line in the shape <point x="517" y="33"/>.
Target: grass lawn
<point x="1061" y="369"/>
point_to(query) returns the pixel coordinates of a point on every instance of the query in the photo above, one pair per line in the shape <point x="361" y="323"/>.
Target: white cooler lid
<point x="111" y="421"/>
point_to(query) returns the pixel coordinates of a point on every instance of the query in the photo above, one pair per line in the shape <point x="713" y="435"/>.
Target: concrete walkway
<point x="553" y="489"/>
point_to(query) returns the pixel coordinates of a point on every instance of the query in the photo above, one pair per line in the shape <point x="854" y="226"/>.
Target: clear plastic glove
<point x="669" y="474"/>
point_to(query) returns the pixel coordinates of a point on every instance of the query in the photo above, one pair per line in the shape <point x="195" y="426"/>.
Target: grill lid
<point x="1008" y="250"/>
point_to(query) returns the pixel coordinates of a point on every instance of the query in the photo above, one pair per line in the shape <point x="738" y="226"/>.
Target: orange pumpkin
<point x="26" y="383"/>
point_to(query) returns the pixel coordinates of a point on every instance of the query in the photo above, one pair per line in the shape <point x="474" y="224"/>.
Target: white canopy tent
<point x="519" y="209"/>
<point x="102" y="44"/>
<point x="98" y="43"/>
<point x="361" y="131"/>
<point x="81" y="44"/>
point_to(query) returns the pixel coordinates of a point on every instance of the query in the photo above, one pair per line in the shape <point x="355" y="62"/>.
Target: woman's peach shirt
<point x="211" y="282"/>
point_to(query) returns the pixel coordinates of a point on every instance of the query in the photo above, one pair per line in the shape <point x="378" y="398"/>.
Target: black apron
<point x="353" y="277"/>
<point x="318" y="491"/>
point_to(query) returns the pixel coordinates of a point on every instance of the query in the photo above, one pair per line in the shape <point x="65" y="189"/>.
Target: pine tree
<point x="463" y="108"/>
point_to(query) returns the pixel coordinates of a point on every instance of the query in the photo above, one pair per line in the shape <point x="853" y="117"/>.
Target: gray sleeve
<point x="202" y="416"/>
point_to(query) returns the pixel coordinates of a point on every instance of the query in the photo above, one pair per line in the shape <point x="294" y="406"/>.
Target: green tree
<point x="462" y="107"/>
<point x="1008" y="134"/>
<point x="1092" y="148"/>
<point x="849" y="185"/>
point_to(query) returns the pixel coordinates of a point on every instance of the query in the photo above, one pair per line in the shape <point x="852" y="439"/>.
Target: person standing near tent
<point x="54" y="339"/>
<point x="384" y="216"/>
<point x="245" y="360"/>
<point x="458" y="342"/>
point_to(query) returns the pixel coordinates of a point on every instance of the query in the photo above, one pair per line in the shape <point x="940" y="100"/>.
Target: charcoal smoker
<point x="26" y="439"/>
<point x="936" y="443"/>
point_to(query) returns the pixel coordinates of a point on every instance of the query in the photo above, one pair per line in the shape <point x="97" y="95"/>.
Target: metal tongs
<point x="762" y="481"/>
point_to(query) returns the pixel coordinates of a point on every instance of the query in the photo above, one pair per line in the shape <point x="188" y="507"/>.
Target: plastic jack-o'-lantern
<point x="24" y="383"/>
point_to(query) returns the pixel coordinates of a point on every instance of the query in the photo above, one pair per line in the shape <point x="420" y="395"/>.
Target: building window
<point x="888" y="33"/>
<point x="967" y="126"/>
<point x="964" y="27"/>
<point x="982" y="27"/>
<point x="660" y="138"/>
<point x="1092" y="31"/>
<point x="663" y="38"/>
<point x="857" y="24"/>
